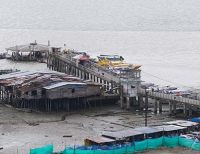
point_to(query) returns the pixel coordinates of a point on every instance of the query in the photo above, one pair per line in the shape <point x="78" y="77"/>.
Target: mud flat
<point x="20" y="131"/>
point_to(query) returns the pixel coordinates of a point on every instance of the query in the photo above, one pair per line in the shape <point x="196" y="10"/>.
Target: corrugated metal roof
<point x="16" y="74"/>
<point x="122" y="134"/>
<point x="182" y="123"/>
<point x="60" y="84"/>
<point x="169" y="128"/>
<point x="100" y="139"/>
<point x="29" y="47"/>
<point x="147" y="130"/>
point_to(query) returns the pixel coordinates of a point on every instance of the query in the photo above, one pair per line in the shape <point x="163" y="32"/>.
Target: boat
<point x="111" y="57"/>
<point x="115" y="62"/>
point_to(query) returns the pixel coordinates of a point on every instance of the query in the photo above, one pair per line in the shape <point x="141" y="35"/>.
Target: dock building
<point x="49" y="91"/>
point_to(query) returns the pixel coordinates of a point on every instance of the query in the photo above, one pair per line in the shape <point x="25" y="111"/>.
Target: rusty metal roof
<point x="29" y="47"/>
<point x="183" y="123"/>
<point x="100" y="139"/>
<point x="168" y="128"/>
<point x="122" y="134"/>
<point x="147" y="130"/>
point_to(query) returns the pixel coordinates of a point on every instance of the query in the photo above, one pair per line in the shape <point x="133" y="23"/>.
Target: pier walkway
<point x="127" y="85"/>
<point x="110" y="81"/>
<point x="169" y="97"/>
<point x="188" y="103"/>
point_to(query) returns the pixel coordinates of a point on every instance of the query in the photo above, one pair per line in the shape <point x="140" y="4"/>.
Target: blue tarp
<point x="196" y="119"/>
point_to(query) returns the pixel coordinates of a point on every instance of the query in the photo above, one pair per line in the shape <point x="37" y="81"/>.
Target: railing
<point x="107" y="76"/>
<point x="169" y="97"/>
<point x="94" y="69"/>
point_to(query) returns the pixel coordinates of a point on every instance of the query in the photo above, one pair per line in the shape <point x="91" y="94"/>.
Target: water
<point x="98" y="15"/>
<point x="162" y="36"/>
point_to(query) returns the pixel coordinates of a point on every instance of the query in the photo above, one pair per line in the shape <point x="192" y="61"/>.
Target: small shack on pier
<point x="46" y="91"/>
<point x="29" y="52"/>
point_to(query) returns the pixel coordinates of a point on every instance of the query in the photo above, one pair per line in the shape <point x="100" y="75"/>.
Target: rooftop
<point x="25" y="81"/>
<point x="122" y="134"/>
<point x="168" y="128"/>
<point x="29" y="47"/>
<point x="182" y="123"/>
<point x="100" y="139"/>
<point x="147" y="130"/>
<point x="60" y="84"/>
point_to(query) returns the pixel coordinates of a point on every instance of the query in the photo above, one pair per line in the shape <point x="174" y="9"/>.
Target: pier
<point x="127" y="85"/>
<point x="28" y="52"/>
<point x="188" y="104"/>
<point x="123" y="84"/>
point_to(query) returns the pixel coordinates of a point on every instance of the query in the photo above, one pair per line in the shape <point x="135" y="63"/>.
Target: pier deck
<point x="126" y="86"/>
<point x="170" y="97"/>
<point x="189" y="105"/>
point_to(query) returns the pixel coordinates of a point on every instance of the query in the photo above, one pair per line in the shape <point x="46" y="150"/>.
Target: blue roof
<point x="196" y="119"/>
<point x="60" y="84"/>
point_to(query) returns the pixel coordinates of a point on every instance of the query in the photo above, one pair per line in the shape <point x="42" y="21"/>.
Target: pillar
<point x="155" y="106"/>
<point x="140" y="101"/>
<point x="81" y="74"/>
<point x="127" y="103"/>
<point x="190" y="112"/>
<point x="146" y="109"/>
<point x="121" y="97"/>
<point x="185" y="110"/>
<point x="107" y="85"/>
<point x="174" y="108"/>
<point x="170" y="108"/>
<point x="160" y="106"/>
<point x="121" y="102"/>
<point x="104" y="85"/>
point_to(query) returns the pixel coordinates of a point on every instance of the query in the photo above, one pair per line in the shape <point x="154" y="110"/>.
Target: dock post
<point x="146" y="108"/>
<point x="155" y="106"/>
<point x="94" y="78"/>
<point x="160" y="106"/>
<point x="185" y="110"/>
<point x="141" y="104"/>
<point x="122" y="102"/>
<point x="107" y="85"/>
<point x="190" y="112"/>
<point x="127" y="102"/>
<point x="91" y="79"/>
<point x="170" y="108"/>
<point x="104" y="85"/>
<point x="174" y="108"/>
<point x="121" y="97"/>
<point x="79" y="73"/>
<point x="100" y="81"/>
<point x="65" y="68"/>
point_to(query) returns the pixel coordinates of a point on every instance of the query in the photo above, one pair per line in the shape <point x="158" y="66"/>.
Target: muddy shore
<point x="20" y="131"/>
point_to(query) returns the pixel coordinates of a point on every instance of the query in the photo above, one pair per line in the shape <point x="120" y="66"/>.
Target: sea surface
<point x="162" y="36"/>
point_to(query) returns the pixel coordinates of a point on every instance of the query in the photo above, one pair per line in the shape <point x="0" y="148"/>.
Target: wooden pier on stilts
<point x="127" y="85"/>
<point x="123" y="85"/>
